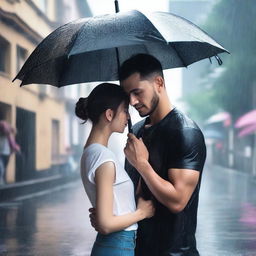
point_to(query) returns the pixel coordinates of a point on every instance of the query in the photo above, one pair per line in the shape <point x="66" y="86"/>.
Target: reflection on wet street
<point x="53" y="224"/>
<point x="227" y="214"/>
<point x="57" y="223"/>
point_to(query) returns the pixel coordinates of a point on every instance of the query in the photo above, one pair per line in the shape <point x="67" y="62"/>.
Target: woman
<point x="106" y="183"/>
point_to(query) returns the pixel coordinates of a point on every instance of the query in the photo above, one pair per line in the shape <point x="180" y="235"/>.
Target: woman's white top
<point x="93" y="157"/>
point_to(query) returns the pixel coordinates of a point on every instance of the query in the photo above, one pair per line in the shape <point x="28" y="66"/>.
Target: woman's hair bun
<point x="82" y="108"/>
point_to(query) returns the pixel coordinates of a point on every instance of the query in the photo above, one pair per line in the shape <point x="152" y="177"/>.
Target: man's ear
<point x="159" y="83"/>
<point x="109" y="114"/>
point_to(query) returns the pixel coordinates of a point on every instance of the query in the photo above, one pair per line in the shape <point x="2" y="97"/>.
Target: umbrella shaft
<point x="116" y="6"/>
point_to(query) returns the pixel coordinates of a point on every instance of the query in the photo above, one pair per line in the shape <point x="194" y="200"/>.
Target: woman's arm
<point x="107" y="222"/>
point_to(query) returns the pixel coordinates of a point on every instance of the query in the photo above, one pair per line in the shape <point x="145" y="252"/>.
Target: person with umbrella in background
<point x="106" y="183"/>
<point x="8" y="145"/>
<point x="166" y="165"/>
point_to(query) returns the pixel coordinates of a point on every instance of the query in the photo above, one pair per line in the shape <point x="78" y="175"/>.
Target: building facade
<point x="41" y="114"/>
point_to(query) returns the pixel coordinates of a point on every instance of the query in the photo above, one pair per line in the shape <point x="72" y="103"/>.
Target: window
<point x="43" y="4"/>
<point x="4" y="55"/>
<point x="21" y="57"/>
<point x="5" y="112"/>
<point x="55" y="140"/>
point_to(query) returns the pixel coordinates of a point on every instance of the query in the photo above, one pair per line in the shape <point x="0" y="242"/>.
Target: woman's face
<point x="120" y="120"/>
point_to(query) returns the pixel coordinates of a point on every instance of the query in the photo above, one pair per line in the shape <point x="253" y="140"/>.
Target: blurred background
<point x="46" y="139"/>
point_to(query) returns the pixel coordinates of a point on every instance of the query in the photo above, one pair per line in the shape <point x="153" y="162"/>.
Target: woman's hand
<point x="93" y="219"/>
<point x="146" y="207"/>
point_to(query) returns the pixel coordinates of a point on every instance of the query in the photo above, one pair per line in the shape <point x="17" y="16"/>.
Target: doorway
<point x="25" y="162"/>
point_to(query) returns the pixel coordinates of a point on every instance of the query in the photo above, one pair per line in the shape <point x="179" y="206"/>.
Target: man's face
<point x="142" y="93"/>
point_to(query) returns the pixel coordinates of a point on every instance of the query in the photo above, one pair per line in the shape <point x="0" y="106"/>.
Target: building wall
<point x="25" y="27"/>
<point x="28" y="12"/>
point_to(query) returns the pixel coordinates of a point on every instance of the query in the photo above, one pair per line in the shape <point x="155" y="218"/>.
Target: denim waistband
<point x="130" y="234"/>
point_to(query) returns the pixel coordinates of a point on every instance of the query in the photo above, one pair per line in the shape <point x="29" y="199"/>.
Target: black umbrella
<point x="92" y="49"/>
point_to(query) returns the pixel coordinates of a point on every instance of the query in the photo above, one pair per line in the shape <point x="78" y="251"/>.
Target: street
<point x="57" y="223"/>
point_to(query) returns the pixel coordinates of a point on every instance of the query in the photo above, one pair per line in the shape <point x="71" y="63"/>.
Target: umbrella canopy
<point x="248" y="130"/>
<point x="247" y="119"/>
<point x="224" y="117"/>
<point x="92" y="49"/>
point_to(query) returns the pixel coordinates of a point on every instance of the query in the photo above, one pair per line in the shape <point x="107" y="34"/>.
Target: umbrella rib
<point x="173" y="46"/>
<point x="74" y="38"/>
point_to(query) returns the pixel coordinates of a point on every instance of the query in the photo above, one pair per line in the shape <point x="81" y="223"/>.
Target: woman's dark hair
<point x="141" y="63"/>
<point x="104" y="96"/>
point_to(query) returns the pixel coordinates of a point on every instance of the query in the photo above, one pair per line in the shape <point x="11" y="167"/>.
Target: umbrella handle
<point x="116" y="6"/>
<point x="130" y="126"/>
<point x="218" y="59"/>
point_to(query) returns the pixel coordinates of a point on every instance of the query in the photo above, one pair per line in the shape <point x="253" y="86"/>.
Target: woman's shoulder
<point x="97" y="147"/>
<point x="96" y="150"/>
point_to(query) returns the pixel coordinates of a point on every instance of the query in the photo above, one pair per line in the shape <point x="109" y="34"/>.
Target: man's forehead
<point x="131" y="86"/>
<point x="135" y="77"/>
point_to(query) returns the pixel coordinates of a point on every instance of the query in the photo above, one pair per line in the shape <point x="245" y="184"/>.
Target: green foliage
<point x="232" y="23"/>
<point x="201" y="105"/>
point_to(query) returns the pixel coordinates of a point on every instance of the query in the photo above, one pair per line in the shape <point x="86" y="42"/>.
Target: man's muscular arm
<point x="176" y="192"/>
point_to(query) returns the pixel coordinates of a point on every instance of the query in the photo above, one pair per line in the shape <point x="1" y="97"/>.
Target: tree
<point x="232" y="24"/>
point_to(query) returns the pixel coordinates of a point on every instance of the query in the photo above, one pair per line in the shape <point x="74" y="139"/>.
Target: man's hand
<point x="135" y="151"/>
<point x="92" y="217"/>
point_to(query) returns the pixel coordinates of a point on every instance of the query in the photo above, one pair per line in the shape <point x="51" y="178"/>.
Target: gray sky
<point x="107" y="6"/>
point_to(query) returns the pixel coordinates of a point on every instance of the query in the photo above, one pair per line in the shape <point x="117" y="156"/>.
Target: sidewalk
<point x="230" y="170"/>
<point x="24" y="189"/>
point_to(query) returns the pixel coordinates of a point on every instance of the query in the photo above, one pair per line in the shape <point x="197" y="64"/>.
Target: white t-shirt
<point x="4" y="146"/>
<point x="123" y="190"/>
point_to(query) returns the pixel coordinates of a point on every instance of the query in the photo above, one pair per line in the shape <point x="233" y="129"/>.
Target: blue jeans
<point x="121" y="243"/>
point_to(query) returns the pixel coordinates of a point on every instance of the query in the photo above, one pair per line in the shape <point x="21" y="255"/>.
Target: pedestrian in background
<point x="8" y="146"/>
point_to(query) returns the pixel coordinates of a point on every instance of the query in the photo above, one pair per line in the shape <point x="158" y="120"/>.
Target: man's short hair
<point x="144" y="64"/>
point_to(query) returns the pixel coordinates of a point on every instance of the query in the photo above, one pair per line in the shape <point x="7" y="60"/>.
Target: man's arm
<point x="176" y="192"/>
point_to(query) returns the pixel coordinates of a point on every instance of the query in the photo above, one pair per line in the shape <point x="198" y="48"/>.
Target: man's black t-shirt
<point x="174" y="142"/>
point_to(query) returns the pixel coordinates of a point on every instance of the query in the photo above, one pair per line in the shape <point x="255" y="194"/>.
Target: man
<point x="165" y="157"/>
<point x="166" y="165"/>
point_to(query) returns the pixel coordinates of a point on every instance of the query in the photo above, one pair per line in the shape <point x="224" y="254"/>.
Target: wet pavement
<point x="227" y="214"/>
<point x="53" y="224"/>
<point x="57" y="223"/>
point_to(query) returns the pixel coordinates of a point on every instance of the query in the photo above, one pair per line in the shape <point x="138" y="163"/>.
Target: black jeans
<point x="4" y="159"/>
